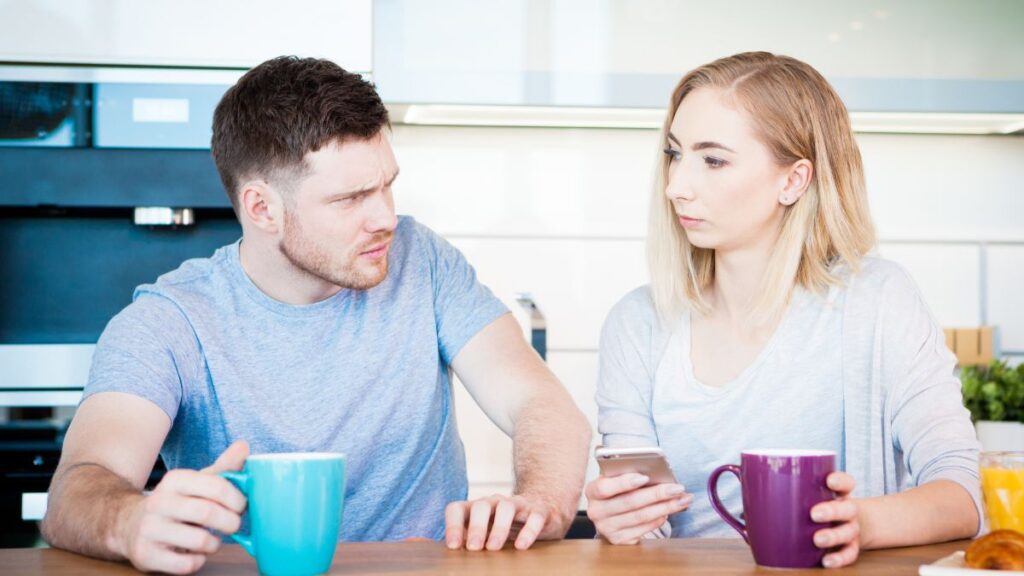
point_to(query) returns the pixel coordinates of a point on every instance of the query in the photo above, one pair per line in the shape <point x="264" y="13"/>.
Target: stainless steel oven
<point x="106" y="181"/>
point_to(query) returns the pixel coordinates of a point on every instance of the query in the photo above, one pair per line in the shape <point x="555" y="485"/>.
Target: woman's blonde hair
<point x="797" y="115"/>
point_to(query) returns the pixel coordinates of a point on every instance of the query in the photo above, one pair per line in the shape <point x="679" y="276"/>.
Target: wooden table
<point x="567" y="557"/>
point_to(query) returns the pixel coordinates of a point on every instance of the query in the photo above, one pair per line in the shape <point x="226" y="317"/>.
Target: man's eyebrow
<point x="364" y="189"/>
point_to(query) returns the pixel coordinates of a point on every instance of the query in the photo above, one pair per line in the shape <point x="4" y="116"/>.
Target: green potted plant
<point x="995" y="396"/>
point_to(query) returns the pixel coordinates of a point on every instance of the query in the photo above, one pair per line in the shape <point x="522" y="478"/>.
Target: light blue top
<point x="862" y="370"/>
<point x="365" y="373"/>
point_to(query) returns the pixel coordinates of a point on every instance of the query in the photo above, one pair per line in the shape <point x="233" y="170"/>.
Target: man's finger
<point x="160" y="559"/>
<point x="200" y="512"/>
<point x="210" y="487"/>
<point x="231" y="459"/>
<point x="528" y="534"/>
<point x="479" y="520"/>
<point x="504" y="514"/>
<point x="188" y="538"/>
<point x="455" y="524"/>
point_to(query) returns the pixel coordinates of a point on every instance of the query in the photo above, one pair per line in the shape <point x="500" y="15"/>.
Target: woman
<point x="766" y="325"/>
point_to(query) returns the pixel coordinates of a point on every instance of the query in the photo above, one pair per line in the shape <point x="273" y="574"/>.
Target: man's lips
<point x="377" y="249"/>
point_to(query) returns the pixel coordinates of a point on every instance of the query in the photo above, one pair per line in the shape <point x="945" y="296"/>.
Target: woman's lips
<point x="690" y="223"/>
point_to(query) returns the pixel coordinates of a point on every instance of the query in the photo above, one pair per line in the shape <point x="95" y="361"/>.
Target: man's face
<point x="340" y="219"/>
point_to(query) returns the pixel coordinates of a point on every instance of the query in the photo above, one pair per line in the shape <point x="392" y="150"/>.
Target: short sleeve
<point x="626" y="372"/>
<point x="148" y="350"/>
<point x="462" y="305"/>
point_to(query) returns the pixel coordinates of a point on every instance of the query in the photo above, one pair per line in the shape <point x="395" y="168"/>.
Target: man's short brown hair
<point x="285" y="108"/>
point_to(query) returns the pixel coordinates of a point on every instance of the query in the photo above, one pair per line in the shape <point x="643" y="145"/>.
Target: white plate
<point x="954" y="565"/>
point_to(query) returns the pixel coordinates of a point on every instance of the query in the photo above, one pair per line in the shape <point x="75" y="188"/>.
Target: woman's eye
<point x="713" y="162"/>
<point x="673" y="155"/>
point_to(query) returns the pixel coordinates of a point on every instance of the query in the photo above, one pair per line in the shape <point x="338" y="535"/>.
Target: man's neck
<point x="275" y="276"/>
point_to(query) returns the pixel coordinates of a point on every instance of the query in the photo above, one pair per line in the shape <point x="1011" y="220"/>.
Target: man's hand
<point x="168" y="530"/>
<point x="490" y="522"/>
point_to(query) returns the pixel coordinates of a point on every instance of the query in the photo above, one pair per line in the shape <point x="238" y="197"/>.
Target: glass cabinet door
<point x="907" y="55"/>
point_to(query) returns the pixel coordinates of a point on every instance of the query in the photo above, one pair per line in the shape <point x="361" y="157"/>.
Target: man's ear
<point x="798" y="178"/>
<point x="261" y="205"/>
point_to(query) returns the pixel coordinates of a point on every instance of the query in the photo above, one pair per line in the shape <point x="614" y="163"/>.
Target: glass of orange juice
<point x="1002" y="485"/>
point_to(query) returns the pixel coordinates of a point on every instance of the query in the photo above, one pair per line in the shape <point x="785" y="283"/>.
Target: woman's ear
<point x="798" y="179"/>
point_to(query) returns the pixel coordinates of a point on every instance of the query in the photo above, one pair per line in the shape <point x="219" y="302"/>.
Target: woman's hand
<point x="623" y="510"/>
<point x="844" y="537"/>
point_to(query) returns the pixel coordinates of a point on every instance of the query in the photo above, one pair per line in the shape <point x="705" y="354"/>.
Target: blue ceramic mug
<point x="295" y="503"/>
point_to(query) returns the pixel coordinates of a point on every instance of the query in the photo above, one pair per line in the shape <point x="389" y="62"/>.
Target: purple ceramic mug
<point x="779" y="489"/>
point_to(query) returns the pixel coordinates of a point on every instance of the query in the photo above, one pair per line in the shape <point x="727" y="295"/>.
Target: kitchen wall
<point x="561" y="213"/>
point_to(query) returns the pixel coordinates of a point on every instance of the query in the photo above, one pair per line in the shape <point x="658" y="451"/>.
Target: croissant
<point x="998" y="550"/>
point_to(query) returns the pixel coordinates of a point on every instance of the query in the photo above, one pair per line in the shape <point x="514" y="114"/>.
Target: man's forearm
<point x="551" y="444"/>
<point x="87" y="508"/>
<point x="937" y="511"/>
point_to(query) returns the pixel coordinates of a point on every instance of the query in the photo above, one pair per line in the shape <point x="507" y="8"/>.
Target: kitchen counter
<point x="704" y="556"/>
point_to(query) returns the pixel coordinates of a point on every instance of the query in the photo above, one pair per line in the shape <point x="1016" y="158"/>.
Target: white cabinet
<point x="906" y="56"/>
<point x="224" y="33"/>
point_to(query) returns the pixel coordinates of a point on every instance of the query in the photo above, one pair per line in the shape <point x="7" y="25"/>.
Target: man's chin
<point x="367" y="279"/>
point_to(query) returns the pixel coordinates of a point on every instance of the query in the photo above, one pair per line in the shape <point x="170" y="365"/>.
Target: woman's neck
<point x="739" y="275"/>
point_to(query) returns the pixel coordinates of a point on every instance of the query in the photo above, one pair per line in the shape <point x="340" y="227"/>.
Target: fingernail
<point x="817" y="515"/>
<point x="475" y="543"/>
<point x="828" y="562"/>
<point x="640" y="480"/>
<point x="686" y="500"/>
<point x="675" y="490"/>
<point x="453" y="544"/>
<point x="822" y="541"/>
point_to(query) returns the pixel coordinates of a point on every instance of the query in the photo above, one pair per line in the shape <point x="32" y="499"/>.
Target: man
<point x="330" y="326"/>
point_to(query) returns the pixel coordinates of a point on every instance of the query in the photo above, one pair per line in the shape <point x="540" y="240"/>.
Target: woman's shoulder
<point x="877" y="280"/>
<point x="636" y="302"/>
<point x="633" y="314"/>
<point x="635" y="318"/>
<point x="636" y="312"/>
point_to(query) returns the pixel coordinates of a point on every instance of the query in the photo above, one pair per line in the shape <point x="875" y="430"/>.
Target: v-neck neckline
<point x="686" y="329"/>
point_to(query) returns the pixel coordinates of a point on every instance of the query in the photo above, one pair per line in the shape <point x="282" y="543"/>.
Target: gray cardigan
<point x="905" y="423"/>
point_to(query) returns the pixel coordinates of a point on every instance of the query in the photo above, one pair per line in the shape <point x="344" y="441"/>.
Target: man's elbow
<point x="49" y="528"/>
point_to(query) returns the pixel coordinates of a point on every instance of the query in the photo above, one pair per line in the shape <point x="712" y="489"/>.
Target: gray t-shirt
<point x="365" y="373"/>
<point x="862" y="370"/>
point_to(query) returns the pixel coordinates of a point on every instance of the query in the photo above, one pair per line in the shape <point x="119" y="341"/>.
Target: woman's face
<point x="727" y="190"/>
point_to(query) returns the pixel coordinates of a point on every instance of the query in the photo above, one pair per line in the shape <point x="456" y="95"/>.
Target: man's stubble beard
<point x="315" y="261"/>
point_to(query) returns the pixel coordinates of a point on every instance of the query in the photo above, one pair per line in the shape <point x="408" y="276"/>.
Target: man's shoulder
<point x="412" y="233"/>
<point x="192" y="276"/>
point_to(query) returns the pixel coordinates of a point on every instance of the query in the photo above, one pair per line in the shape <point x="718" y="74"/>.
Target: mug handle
<point x="716" y="503"/>
<point x="241" y="481"/>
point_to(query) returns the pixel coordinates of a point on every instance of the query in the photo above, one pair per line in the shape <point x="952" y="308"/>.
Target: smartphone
<point x="649" y="461"/>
